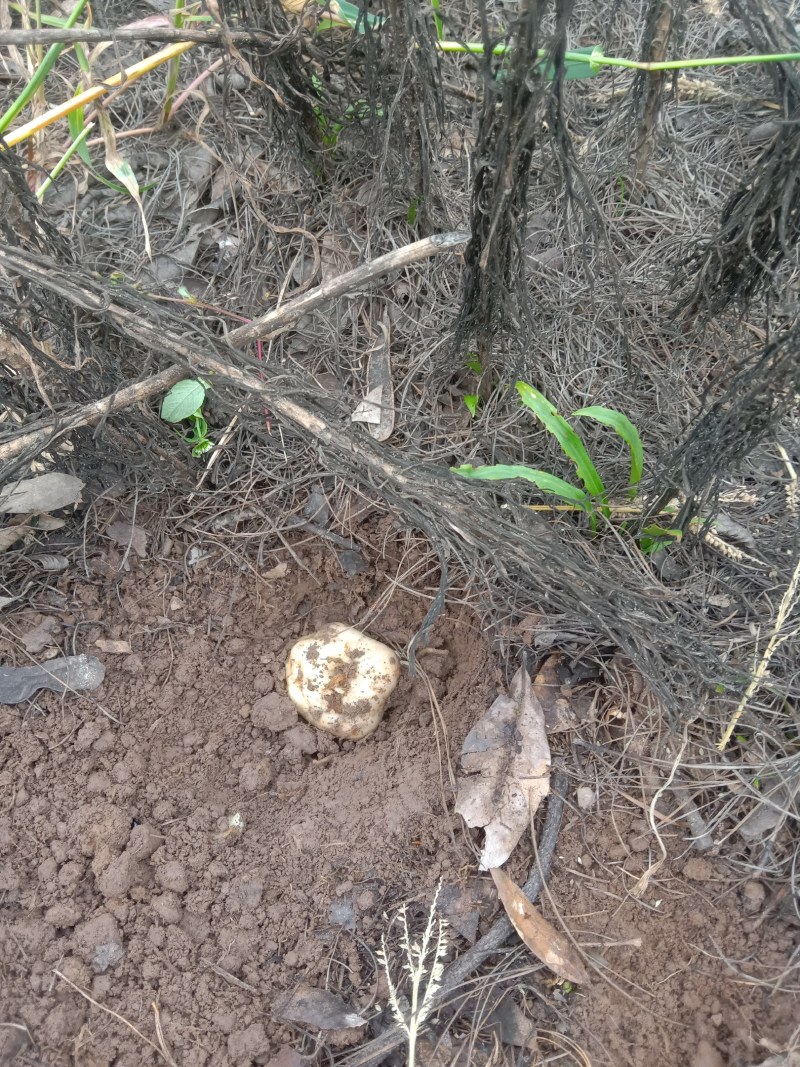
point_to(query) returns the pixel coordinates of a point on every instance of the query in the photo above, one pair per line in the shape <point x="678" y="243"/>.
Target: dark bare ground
<point x="124" y="875"/>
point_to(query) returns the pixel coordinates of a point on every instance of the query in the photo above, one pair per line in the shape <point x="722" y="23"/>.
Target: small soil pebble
<point x="167" y="908"/>
<point x="122" y="874"/>
<point x="254" y="777"/>
<point x="245" y="1045"/>
<point x="144" y="841"/>
<point x="172" y="875"/>
<point x="99" y="942"/>
<point x="65" y="915"/>
<point x="302" y="738"/>
<point x="753" y="894"/>
<point x="274" y="712"/>
<point x="699" y="870"/>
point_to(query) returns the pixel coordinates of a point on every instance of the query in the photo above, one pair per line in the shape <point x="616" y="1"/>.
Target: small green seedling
<point x="184" y="403"/>
<point x="472" y="400"/>
<point x="593" y="495"/>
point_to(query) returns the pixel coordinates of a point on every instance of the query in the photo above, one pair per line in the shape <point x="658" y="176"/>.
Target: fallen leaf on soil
<point x="51" y="563"/>
<point x="125" y="534"/>
<point x="369" y="409"/>
<point x="513" y="1025"/>
<point x="278" y="571"/>
<point x="544" y="941"/>
<point x="114" y="648"/>
<point x="41" y="636"/>
<point x="317" y="1007"/>
<point x="46" y="492"/>
<point x="10" y="535"/>
<point x="565" y="707"/>
<point x="506" y="761"/>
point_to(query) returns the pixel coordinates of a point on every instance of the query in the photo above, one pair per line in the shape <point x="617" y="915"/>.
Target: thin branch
<point x="49" y="432"/>
<point x="275" y="321"/>
<point x="268" y="325"/>
<point x="96" y="34"/>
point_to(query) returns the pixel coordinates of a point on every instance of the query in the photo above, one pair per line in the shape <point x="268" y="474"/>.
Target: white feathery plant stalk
<point x="422" y="958"/>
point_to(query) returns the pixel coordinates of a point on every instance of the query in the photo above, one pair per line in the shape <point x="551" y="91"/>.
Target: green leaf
<point x="183" y="400"/>
<point x="472" y="400"/>
<point x="437" y="18"/>
<point x="558" y="426"/>
<point x="548" y="483"/>
<point x="655" y="537"/>
<point x="413" y="209"/>
<point x="473" y="363"/>
<point x="355" y="17"/>
<point x="622" y="425"/>
<point x="574" y="69"/>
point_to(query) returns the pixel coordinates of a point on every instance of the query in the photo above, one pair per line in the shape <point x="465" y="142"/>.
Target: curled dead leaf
<point x="544" y="941"/>
<point x="506" y="764"/>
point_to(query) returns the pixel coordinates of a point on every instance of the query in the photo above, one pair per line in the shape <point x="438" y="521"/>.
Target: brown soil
<point x="179" y="838"/>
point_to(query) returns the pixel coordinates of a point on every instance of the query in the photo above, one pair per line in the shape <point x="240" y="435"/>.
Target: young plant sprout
<point x="184" y="403"/>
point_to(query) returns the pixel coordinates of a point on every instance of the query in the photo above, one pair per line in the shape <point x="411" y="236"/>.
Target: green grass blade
<point x="571" y="444"/>
<point x="76" y="146"/>
<point x="41" y="72"/>
<point x="622" y="425"/>
<point x="437" y="18"/>
<point x="548" y="483"/>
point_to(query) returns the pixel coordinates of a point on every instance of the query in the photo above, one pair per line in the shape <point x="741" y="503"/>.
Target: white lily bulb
<point x="340" y="680"/>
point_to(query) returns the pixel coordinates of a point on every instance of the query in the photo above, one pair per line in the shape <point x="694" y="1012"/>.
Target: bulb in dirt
<point x="340" y="680"/>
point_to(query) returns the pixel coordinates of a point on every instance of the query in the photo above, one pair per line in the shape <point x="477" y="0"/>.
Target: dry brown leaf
<point x="544" y="941"/>
<point x="44" y="493"/>
<point x="113" y="648"/>
<point x="564" y="708"/>
<point x="9" y="536"/>
<point x="506" y="764"/>
<point x="125" y="534"/>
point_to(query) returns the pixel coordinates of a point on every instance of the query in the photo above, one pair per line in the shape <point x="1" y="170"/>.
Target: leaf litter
<point x="506" y="765"/>
<point x="544" y="941"/>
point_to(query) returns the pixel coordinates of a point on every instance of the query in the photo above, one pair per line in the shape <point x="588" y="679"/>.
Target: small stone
<point x="254" y="777"/>
<point x="367" y="899"/>
<point x="167" y="908"/>
<point x="99" y="942"/>
<point x="71" y="874"/>
<point x="144" y="841"/>
<point x="264" y="683"/>
<point x="586" y="861"/>
<point x="303" y="738"/>
<point x="245" y="1045"/>
<point x="244" y="711"/>
<point x="47" y="870"/>
<point x="639" y="843"/>
<point x="291" y="959"/>
<point x="587" y="798"/>
<point x="706" y="1055"/>
<point x="172" y="875"/>
<point x="274" y="712"/>
<point x="122" y="874"/>
<point x="753" y="895"/>
<point x="64" y="915"/>
<point x="699" y="870"/>
<point x="98" y="782"/>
